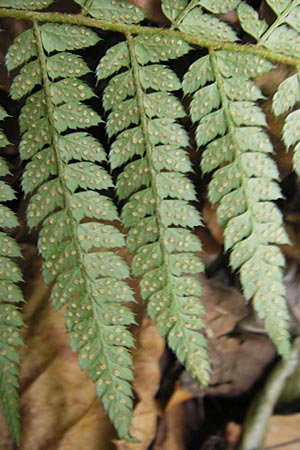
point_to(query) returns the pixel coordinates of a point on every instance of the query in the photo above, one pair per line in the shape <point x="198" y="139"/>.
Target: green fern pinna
<point x="69" y="177"/>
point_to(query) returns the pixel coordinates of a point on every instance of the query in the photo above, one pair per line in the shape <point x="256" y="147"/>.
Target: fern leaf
<point x="10" y="316"/>
<point x="26" y="4"/>
<point x="244" y="186"/>
<point x="63" y="179"/>
<point x="206" y="25"/>
<point x="120" y="11"/>
<point x="157" y="212"/>
<point x="286" y="27"/>
<point x="250" y="22"/>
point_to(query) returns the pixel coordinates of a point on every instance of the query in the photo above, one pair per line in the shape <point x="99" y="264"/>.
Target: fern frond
<point x="26" y="4"/>
<point x="148" y="149"/>
<point x="10" y="316"/>
<point x="230" y="126"/>
<point x="79" y="236"/>
<point x="115" y="11"/>
<point x="193" y="17"/>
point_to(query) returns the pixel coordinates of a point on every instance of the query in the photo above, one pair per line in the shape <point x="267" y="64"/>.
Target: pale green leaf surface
<point x="61" y="37"/>
<point x="247" y="113"/>
<point x="232" y="64"/>
<point x="92" y="205"/>
<point x="70" y="89"/>
<point x="173" y="8"/>
<point x="205" y="101"/>
<point x="225" y="179"/>
<point x="115" y="58"/>
<point x="286" y="96"/>
<point x="185" y="263"/>
<point x="139" y="206"/>
<point x="166" y="131"/>
<point x="159" y="48"/>
<point x="291" y="128"/>
<point x="231" y="205"/>
<point x="35" y="138"/>
<point x="86" y="175"/>
<point x="66" y="65"/>
<point x="197" y="75"/>
<point x="33" y="110"/>
<point x="239" y="87"/>
<point x="135" y="175"/>
<point x="25" y="4"/>
<point x="3" y="140"/>
<point x="217" y="7"/>
<point x="6" y="192"/>
<point x="284" y="40"/>
<point x="144" y="232"/>
<point x="95" y="235"/>
<point x="259" y="165"/>
<point x="254" y="139"/>
<point x="8" y="246"/>
<point x="263" y="189"/>
<point x="48" y="197"/>
<point x="8" y="218"/>
<point x="21" y="51"/>
<point x="250" y="21"/>
<point x="279" y="6"/>
<point x="211" y="126"/>
<point x="40" y="168"/>
<point x="159" y="77"/>
<point x="296" y="159"/>
<point x="147" y="257"/>
<point x="106" y="264"/>
<point x="171" y="158"/>
<point x="28" y="77"/>
<point x="80" y="146"/>
<point x="74" y="115"/>
<point x="9" y="270"/>
<point x="163" y="104"/>
<point x="237" y="229"/>
<point x="128" y="144"/>
<point x="174" y="185"/>
<point x="293" y="18"/>
<point x="116" y="11"/>
<point x="217" y="152"/>
<point x="205" y="25"/>
<point x="4" y="169"/>
<point x="118" y="89"/>
<point x="181" y="240"/>
<point x="179" y="213"/>
<point x="122" y="116"/>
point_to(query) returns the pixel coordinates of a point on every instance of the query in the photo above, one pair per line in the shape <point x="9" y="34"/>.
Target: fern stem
<point x="79" y="19"/>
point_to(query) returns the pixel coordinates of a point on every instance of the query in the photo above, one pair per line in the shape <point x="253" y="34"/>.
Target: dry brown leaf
<point x="283" y="432"/>
<point x="170" y="434"/>
<point x="146" y="356"/>
<point x="179" y="395"/>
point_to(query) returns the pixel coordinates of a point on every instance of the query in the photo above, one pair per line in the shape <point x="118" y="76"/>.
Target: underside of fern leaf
<point x="154" y="181"/>
<point x="79" y="235"/>
<point x="10" y="297"/>
<point x="69" y="187"/>
<point x="230" y="125"/>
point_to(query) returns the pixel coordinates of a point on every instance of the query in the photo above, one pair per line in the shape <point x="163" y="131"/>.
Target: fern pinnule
<point x="148" y="147"/>
<point x="10" y="317"/>
<point x="79" y="236"/>
<point x="26" y="4"/>
<point x="230" y="125"/>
